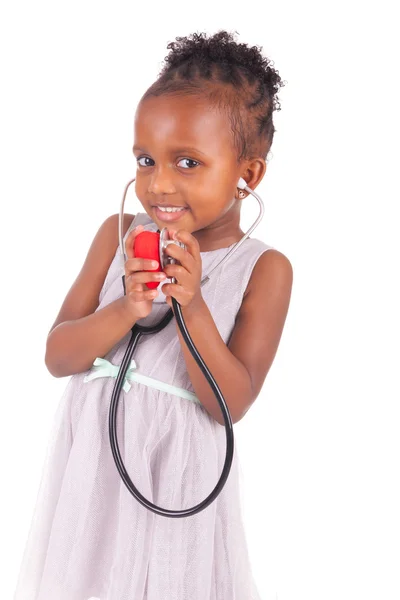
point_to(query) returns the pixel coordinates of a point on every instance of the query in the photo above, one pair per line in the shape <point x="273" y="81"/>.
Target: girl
<point x="205" y="122"/>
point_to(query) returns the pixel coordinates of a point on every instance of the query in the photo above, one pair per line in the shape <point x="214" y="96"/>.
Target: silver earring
<point x="241" y="194"/>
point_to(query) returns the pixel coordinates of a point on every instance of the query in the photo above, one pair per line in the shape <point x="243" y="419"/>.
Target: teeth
<point x="169" y="209"/>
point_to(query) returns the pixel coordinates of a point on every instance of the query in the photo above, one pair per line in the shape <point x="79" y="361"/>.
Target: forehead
<point x="173" y="121"/>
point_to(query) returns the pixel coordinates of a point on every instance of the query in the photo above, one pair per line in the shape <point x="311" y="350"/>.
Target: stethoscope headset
<point x="139" y="330"/>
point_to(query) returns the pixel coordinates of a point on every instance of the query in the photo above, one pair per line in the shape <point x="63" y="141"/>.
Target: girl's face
<point x="185" y="157"/>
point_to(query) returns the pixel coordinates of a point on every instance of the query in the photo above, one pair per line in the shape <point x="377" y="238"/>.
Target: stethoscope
<point x="139" y="330"/>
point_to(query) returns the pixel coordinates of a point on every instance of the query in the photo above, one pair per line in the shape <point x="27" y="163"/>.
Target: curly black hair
<point x="233" y="77"/>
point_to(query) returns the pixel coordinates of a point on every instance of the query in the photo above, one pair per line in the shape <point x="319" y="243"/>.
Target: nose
<point x="160" y="182"/>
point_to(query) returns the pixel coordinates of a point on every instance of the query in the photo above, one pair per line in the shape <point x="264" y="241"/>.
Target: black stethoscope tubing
<point x="137" y="332"/>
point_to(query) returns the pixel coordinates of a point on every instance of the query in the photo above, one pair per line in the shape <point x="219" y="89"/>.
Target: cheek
<point x="139" y="187"/>
<point x="207" y="188"/>
<point x="220" y="184"/>
<point x="141" y="192"/>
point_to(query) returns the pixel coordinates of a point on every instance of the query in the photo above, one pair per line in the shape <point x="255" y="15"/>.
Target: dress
<point x="90" y="539"/>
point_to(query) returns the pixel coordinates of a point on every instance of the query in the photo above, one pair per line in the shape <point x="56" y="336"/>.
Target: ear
<point x="253" y="171"/>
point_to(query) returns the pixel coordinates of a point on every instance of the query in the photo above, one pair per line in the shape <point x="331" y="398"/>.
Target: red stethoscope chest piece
<point x="147" y="245"/>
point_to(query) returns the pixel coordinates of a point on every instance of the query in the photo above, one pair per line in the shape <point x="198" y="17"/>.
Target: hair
<point x="234" y="78"/>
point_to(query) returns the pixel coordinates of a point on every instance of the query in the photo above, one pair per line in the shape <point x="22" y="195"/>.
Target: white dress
<point x="90" y="539"/>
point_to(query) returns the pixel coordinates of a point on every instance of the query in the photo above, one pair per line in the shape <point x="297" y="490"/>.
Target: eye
<point x="143" y="158"/>
<point x="190" y="164"/>
<point x="189" y="160"/>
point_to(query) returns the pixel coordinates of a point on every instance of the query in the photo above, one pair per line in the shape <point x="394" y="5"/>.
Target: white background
<point x="320" y="447"/>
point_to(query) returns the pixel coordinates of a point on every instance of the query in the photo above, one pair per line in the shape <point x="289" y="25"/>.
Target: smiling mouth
<point x="174" y="215"/>
<point x="168" y="206"/>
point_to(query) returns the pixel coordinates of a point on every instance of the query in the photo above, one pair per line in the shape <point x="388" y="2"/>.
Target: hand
<point x="139" y="298"/>
<point x="187" y="274"/>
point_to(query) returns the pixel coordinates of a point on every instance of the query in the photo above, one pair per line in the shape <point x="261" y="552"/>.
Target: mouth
<point x="169" y="216"/>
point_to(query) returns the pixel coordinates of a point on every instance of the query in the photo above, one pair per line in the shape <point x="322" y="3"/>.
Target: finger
<point x="183" y="256"/>
<point x="192" y="245"/>
<point x="140" y="264"/>
<point x="143" y="281"/>
<point x="136" y="287"/>
<point x="175" y="290"/>
<point x="130" y="239"/>
<point x="147" y="277"/>
<point x="180" y="273"/>
<point x="132" y="285"/>
<point x="142" y="295"/>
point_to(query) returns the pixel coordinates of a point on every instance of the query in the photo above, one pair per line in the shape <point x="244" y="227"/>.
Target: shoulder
<point x="106" y="239"/>
<point x="270" y="266"/>
<point x="109" y="228"/>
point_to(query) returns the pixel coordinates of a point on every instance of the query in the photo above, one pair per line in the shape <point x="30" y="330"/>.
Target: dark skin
<point x="205" y="179"/>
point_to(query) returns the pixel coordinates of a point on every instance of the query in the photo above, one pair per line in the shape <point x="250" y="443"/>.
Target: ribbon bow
<point x="107" y="369"/>
<point x="103" y="368"/>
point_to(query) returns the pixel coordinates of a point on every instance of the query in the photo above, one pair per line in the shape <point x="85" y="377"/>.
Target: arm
<point x="79" y="334"/>
<point x="229" y="373"/>
<point x="72" y="346"/>
<point x="241" y="367"/>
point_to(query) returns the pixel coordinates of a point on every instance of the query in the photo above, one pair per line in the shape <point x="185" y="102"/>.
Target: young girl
<point x="206" y="122"/>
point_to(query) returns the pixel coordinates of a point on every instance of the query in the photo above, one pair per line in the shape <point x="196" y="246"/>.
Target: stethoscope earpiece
<point x="241" y="183"/>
